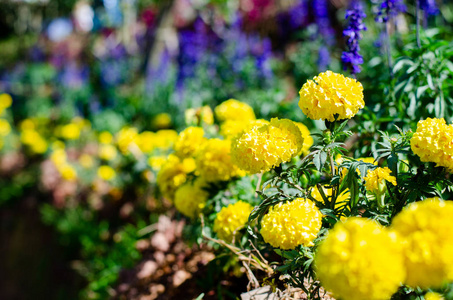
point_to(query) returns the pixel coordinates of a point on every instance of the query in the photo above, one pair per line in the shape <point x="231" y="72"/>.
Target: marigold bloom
<point x="375" y="179"/>
<point x="262" y="148"/>
<point x="426" y="227"/>
<point x="214" y="161"/>
<point x="190" y="198"/>
<point x="105" y="137"/>
<point x="172" y="174"/>
<point x="106" y="172"/>
<point x="107" y="152"/>
<point x="5" y="128"/>
<point x="189" y="140"/>
<point x="289" y="225"/>
<point x="234" y="110"/>
<point x="156" y="162"/>
<point x="433" y="296"/>
<point x="360" y="260"/>
<point x="126" y="138"/>
<point x="165" y="139"/>
<point x="231" y="219"/>
<point x="433" y="142"/>
<point x="69" y="131"/>
<point x="330" y="94"/>
<point x="162" y="120"/>
<point x="146" y="140"/>
<point x="231" y="129"/>
<point x="67" y="172"/>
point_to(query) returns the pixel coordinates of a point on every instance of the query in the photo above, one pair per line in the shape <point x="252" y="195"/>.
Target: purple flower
<point x="298" y="14"/>
<point x="323" y="58"/>
<point x="388" y="9"/>
<point x="321" y="14"/>
<point x="351" y="58"/>
<point x="429" y="7"/>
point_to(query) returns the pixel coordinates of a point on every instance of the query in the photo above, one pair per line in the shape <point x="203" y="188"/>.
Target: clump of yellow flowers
<point x="360" y="260"/>
<point x="433" y="142"/>
<point x="375" y="179"/>
<point x="234" y="110"/>
<point x="189" y="140"/>
<point x="330" y="94"/>
<point x="214" y="161"/>
<point x="291" y="224"/>
<point x="190" y="198"/>
<point x="173" y="173"/>
<point x="231" y="219"/>
<point x="262" y="148"/>
<point x="426" y="228"/>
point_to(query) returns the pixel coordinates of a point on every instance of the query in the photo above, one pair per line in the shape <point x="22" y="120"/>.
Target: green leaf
<point x="319" y="159"/>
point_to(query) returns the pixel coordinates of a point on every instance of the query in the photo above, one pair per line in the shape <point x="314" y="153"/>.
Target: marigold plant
<point x="189" y="140"/>
<point x="375" y="179"/>
<point x="190" y="198"/>
<point x="233" y="109"/>
<point x="330" y="94"/>
<point x="214" y="161"/>
<point x="426" y="227"/>
<point x="360" y="260"/>
<point x="262" y="148"/>
<point x="173" y="173"/>
<point x="231" y="219"/>
<point x="433" y="142"/>
<point x="291" y="224"/>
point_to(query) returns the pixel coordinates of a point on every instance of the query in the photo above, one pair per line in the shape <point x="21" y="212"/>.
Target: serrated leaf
<point x="319" y="159"/>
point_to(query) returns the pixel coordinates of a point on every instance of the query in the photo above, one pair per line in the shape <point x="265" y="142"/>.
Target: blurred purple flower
<point x="388" y="9"/>
<point x="73" y="75"/>
<point x="323" y="58"/>
<point x="321" y="14"/>
<point x="158" y="74"/>
<point x="193" y="44"/>
<point x="429" y="7"/>
<point x="298" y="14"/>
<point x="351" y="58"/>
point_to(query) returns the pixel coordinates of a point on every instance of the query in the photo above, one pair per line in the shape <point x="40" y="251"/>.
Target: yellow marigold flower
<point x="162" y="120"/>
<point x="34" y="140"/>
<point x="69" y="131"/>
<point x="58" y="157"/>
<point x="231" y="219"/>
<point x="126" y="138"/>
<point x="234" y="110"/>
<point x="173" y="174"/>
<point x="426" y="227"/>
<point x="289" y="225"/>
<point x="308" y="139"/>
<point x="214" y="161"/>
<point x="433" y="296"/>
<point x="106" y="172"/>
<point x="189" y="140"/>
<point x="262" y="148"/>
<point x="105" y="137"/>
<point x="5" y="102"/>
<point x="156" y="162"/>
<point x="375" y="179"/>
<point x="146" y="141"/>
<point x="27" y="124"/>
<point x="190" y="198"/>
<point x="165" y="139"/>
<point x="199" y="116"/>
<point x="330" y="94"/>
<point x="107" y="152"/>
<point x="86" y="161"/>
<point x="67" y="172"/>
<point x="360" y="260"/>
<point x="433" y="142"/>
<point x="5" y="128"/>
<point x="231" y="129"/>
